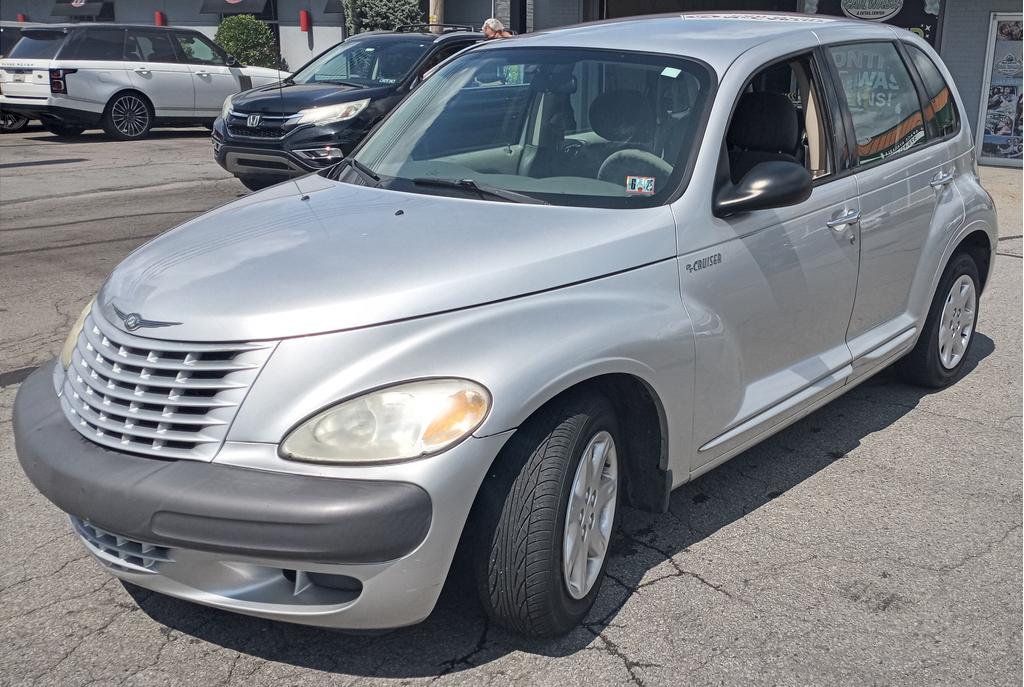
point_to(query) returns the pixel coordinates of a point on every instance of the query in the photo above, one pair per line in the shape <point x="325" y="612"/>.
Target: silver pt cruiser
<point x="571" y="272"/>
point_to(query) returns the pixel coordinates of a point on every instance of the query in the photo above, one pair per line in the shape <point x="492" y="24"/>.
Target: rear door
<point x="212" y="79"/>
<point x="154" y="68"/>
<point x="25" y="69"/>
<point x="94" y="60"/>
<point x="904" y="176"/>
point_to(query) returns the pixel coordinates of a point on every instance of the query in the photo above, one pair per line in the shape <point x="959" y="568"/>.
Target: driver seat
<point x="764" y="128"/>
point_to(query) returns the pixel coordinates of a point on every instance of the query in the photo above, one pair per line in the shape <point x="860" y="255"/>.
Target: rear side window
<point x="37" y="45"/>
<point x="940" y="110"/>
<point x="882" y="98"/>
<point x="149" y="46"/>
<point x="97" y="44"/>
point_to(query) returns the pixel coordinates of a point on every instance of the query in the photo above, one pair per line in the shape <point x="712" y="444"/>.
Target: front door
<point x="771" y="302"/>
<point x="212" y="79"/>
<point x="903" y="178"/>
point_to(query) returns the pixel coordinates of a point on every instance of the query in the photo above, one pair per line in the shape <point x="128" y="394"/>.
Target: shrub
<point x="372" y="15"/>
<point x="248" y="39"/>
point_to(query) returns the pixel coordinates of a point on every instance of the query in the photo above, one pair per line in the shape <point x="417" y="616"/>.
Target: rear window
<point x="37" y="45"/>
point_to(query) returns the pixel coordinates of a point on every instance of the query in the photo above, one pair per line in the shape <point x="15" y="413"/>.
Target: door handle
<point x="203" y="73"/>
<point x="844" y="220"/>
<point x="941" y="179"/>
<point x="141" y="70"/>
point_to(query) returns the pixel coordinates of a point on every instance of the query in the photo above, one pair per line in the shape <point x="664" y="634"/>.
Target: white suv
<point x="125" y="78"/>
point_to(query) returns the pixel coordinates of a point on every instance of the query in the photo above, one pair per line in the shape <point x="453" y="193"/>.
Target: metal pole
<point x="436" y="14"/>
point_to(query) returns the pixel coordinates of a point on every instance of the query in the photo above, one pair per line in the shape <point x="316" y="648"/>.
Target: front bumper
<point x="359" y="554"/>
<point x="283" y="157"/>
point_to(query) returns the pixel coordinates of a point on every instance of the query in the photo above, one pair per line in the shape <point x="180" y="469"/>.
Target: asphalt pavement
<point x="878" y="541"/>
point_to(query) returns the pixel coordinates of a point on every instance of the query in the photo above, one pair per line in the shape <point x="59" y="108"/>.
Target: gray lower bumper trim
<point x="212" y="507"/>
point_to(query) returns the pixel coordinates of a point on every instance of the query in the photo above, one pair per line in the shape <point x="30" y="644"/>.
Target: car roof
<point x="420" y="35"/>
<point x="717" y="38"/>
<point x="63" y="26"/>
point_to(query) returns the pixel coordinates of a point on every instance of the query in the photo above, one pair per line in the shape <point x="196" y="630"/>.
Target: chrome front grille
<point x="121" y="552"/>
<point x="154" y="397"/>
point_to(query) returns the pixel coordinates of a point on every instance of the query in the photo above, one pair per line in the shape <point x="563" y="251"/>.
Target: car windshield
<point x="591" y="128"/>
<point x="370" y="61"/>
<point x="37" y="45"/>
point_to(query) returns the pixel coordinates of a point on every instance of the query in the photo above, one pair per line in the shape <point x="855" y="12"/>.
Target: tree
<point x="248" y="39"/>
<point x="372" y="15"/>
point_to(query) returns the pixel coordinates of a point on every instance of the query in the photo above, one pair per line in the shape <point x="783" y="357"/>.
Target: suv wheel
<point x="59" y="128"/>
<point x="11" y="122"/>
<point x="128" y="117"/>
<point x="545" y="517"/>
<point x="938" y="359"/>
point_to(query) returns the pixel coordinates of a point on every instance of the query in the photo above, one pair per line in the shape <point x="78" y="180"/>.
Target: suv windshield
<point x="37" y="45"/>
<point x="593" y="128"/>
<point x="365" y="61"/>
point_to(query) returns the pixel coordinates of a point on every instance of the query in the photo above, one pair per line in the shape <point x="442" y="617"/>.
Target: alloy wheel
<point x="590" y="515"/>
<point x="130" y="115"/>
<point x="956" y="325"/>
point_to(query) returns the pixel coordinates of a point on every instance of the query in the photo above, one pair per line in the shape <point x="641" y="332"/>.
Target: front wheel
<point x="128" y="117"/>
<point x="59" y="128"/>
<point x="12" y="122"/>
<point x="940" y="354"/>
<point x="545" y="516"/>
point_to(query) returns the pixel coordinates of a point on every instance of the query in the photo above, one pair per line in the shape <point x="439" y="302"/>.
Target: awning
<point x="77" y="8"/>
<point x="334" y="7"/>
<point x="232" y="6"/>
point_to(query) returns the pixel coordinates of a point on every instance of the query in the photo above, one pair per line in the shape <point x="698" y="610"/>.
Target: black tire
<point x="923" y="365"/>
<point x="518" y="523"/>
<point x="128" y="117"/>
<point x="257" y="183"/>
<point x="59" y="128"/>
<point x="12" y="122"/>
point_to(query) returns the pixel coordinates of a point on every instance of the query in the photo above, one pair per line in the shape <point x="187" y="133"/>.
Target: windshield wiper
<point x="361" y="169"/>
<point x="339" y="82"/>
<point x="481" y="190"/>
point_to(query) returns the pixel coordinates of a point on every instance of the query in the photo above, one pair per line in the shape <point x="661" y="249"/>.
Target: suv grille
<point x="268" y="132"/>
<point x="157" y="398"/>
<point x="270" y="126"/>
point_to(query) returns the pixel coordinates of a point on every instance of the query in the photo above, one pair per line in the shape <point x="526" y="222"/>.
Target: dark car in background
<point x="312" y="119"/>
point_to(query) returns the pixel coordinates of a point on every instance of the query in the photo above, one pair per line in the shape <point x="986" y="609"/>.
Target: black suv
<point x="316" y="116"/>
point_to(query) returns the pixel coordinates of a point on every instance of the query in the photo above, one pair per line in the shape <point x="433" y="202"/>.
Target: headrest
<point x="623" y="116"/>
<point x="766" y="122"/>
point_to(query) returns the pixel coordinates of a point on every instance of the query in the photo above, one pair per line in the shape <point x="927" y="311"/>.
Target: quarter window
<point x="881" y="96"/>
<point x="940" y="110"/>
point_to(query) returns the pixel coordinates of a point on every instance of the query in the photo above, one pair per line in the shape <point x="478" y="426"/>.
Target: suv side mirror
<point x="767" y="185"/>
<point x="230" y="61"/>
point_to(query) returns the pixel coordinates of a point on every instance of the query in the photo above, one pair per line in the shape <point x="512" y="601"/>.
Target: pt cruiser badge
<point x="134" y="320"/>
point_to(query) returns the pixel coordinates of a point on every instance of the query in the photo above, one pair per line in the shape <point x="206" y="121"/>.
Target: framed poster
<point x="1000" y="120"/>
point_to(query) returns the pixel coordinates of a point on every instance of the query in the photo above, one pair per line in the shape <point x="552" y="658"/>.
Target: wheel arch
<point x="122" y="91"/>
<point x="979" y="247"/>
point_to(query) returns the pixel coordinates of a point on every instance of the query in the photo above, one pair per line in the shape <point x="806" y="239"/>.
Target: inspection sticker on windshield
<point x="643" y="186"/>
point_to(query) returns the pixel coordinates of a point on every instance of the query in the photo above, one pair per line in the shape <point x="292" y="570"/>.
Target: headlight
<point x="397" y="423"/>
<point x="331" y="113"/>
<point x="72" y="340"/>
<point x="226" y="107"/>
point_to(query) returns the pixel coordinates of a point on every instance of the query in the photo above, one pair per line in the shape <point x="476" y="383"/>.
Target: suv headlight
<point x="395" y="423"/>
<point x="72" y="341"/>
<point x="331" y="113"/>
<point x="226" y="107"/>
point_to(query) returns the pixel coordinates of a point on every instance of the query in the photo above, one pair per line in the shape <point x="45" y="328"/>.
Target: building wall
<point x="964" y="40"/>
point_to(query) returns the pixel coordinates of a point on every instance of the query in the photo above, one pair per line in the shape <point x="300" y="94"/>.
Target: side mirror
<point x="230" y="61"/>
<point x="767" y="185"/>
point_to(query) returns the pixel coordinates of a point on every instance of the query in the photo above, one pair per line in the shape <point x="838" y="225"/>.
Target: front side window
<point x="149" y="46"/>
<point x="199" y="49"/>
<point x="882" y="99"/>
<point x="590" y="128"/>
<point x="365" y="62"/>
<point x="35" y="45"/>
<point x="940" y="110"/>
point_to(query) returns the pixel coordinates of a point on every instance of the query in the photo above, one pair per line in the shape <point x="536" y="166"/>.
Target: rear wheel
<point x="545" y="517"/>
<point x="11" y="122"/>
<point x="939" y="356"/>
<point x="128" y="117"/>
<point x="257" y="183"/>
<point x="59" y="128"/>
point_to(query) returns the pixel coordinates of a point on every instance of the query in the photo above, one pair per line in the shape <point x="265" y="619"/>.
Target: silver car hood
<point x="315" y="255"/>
